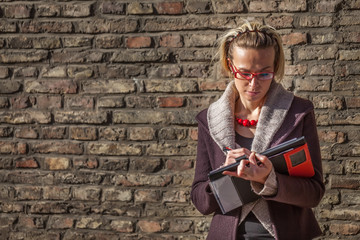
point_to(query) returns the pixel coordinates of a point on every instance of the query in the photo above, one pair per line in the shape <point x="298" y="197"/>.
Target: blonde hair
<point x="251" y="35"/>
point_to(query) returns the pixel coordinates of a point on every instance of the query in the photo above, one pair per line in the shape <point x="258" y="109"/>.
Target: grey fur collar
<point x="220" y="117"/>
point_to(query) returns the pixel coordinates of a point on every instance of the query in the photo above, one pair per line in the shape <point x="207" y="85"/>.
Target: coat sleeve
<point x="303" y="192"/>
<point x="201" y="194"/>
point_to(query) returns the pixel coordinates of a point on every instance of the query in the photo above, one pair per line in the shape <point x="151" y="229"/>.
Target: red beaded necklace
<point x="246" y="122"/>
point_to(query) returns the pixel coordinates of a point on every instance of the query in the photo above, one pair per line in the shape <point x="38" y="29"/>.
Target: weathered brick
<point x="294" y="38"/>
<point x="54" y="72"/>
<point x="122" y="226"/>
<point x="56" y="193"/>
<point x="325" y="101"/>
<point x="282" y="21"/>
<point x="48" y="10"/>
<point x="112" y="194"/>
<point x="179" y="165"/>
<point x="6" y="131"/>
<point x="76" y="10"/>
<point x="327" y="6"/>
<point x="171" y="101"/>
<point x="9" y="86"/>
<point x="145" y="165"/>
<point x="180" y="225"/>
<point x="113" y="164"/>
<point x="316" y="21"/>
<point x="112" y="133"/>
<point x="108" y="41"/>
<point x="170" y="86"/>
<point x="53" y="132"/>
<point x="48" y="102"/>
<point x="22" y="102"/>
<point x="47" y="86"/>
<point x="150" y="226"/>
<point x="83" y="133"/>
<point x="323" y="37"/>
<point x="27" y="132"/>
<point x="261" y="6"/>
<point x="25" y="116"/>
<point x="35" y="26"/>
<point x="57" y="163"/>
<point x="228" y="6"/>
<point x="293" y="5"/>
<point x="57" y="147"/>
<point x="112" y="7"/>
<point x="76" y="41"/>
<point x="76" y="56"/>
<point x="346" y="183"/>
<point x="168" y="149"/>
<point x="138" y="42"/>
<point x="7" y="26"/>
<point x="23" y="57"/>
<point x="29" y="222"/>
<point x="169" y="7"/>
<point x="27" y="193"/>
<point x="26" y="163"/>
<point x="89" y="117"/>
<point x="87" y="193"/>
<point x="313" y="84"/>
<point x="85" y="163"/>
<point x="173" y="24"/>
<point x="17" y="11"/>
<point x="345" y="228"/>
<point x="172" y="41"/>
<point x="317" y="52"/>
<point x="199" y="7"/>
<point x="60" y="222"/>
<point x="347" y="55"/>
<point x="4" y="102"/>
<point x="24" y="72"/>
<point x="80" y="102"/>
<point x="172" y="133"/>
<point x="141" y="180"/>
<point x="4" y="72"/>
<point x="80" y="72"/>
<point x="141" y="133"/>
<point x="139" y="56"/>
<point x="109" y="86"/>
<point x="103" y="148"/>
<point x="140" y="8"/>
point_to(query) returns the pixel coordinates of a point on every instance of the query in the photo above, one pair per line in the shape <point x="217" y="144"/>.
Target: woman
<point x="255" y="113"/>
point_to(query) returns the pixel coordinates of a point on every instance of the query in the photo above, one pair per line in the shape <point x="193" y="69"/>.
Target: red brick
<point x="169" y="8"/>
<point x="294" y="39"/>
<point x="171" y="101"/>
<point x="138" y="42"/>
<point x="149" y="226"/>
<point x="26" y="163"/>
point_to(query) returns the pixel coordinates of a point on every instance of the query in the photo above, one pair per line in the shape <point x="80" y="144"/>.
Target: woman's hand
<point x="235" y="153"/>
<point x="257" y="168"/>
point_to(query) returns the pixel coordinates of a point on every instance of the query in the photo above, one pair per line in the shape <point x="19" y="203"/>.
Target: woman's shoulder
<point x="201" y="117"/>
<point x="302" y="104"/>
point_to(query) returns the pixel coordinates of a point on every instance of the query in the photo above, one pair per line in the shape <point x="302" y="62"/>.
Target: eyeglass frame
<point x="253" y="75"/>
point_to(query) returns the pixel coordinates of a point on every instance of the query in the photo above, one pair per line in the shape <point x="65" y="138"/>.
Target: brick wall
<point x="97" y="106"/>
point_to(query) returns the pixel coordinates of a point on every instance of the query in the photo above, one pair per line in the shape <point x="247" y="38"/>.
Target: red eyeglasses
<point x="262" y="76"/>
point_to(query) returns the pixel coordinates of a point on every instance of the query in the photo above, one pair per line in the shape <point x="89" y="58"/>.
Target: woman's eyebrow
<point x="247" y="70"/>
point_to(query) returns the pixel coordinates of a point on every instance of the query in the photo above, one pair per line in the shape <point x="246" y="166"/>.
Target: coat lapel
<point x="220" y="117"/>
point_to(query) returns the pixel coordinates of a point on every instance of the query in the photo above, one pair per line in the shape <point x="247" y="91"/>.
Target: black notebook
<point x="291" y="158"/>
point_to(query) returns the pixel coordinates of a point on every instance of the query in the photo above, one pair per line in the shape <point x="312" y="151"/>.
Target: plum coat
<point x="283" y="117"/>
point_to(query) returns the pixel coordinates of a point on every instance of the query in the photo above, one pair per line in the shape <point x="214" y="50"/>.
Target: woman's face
<point x="254" y="61"/>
